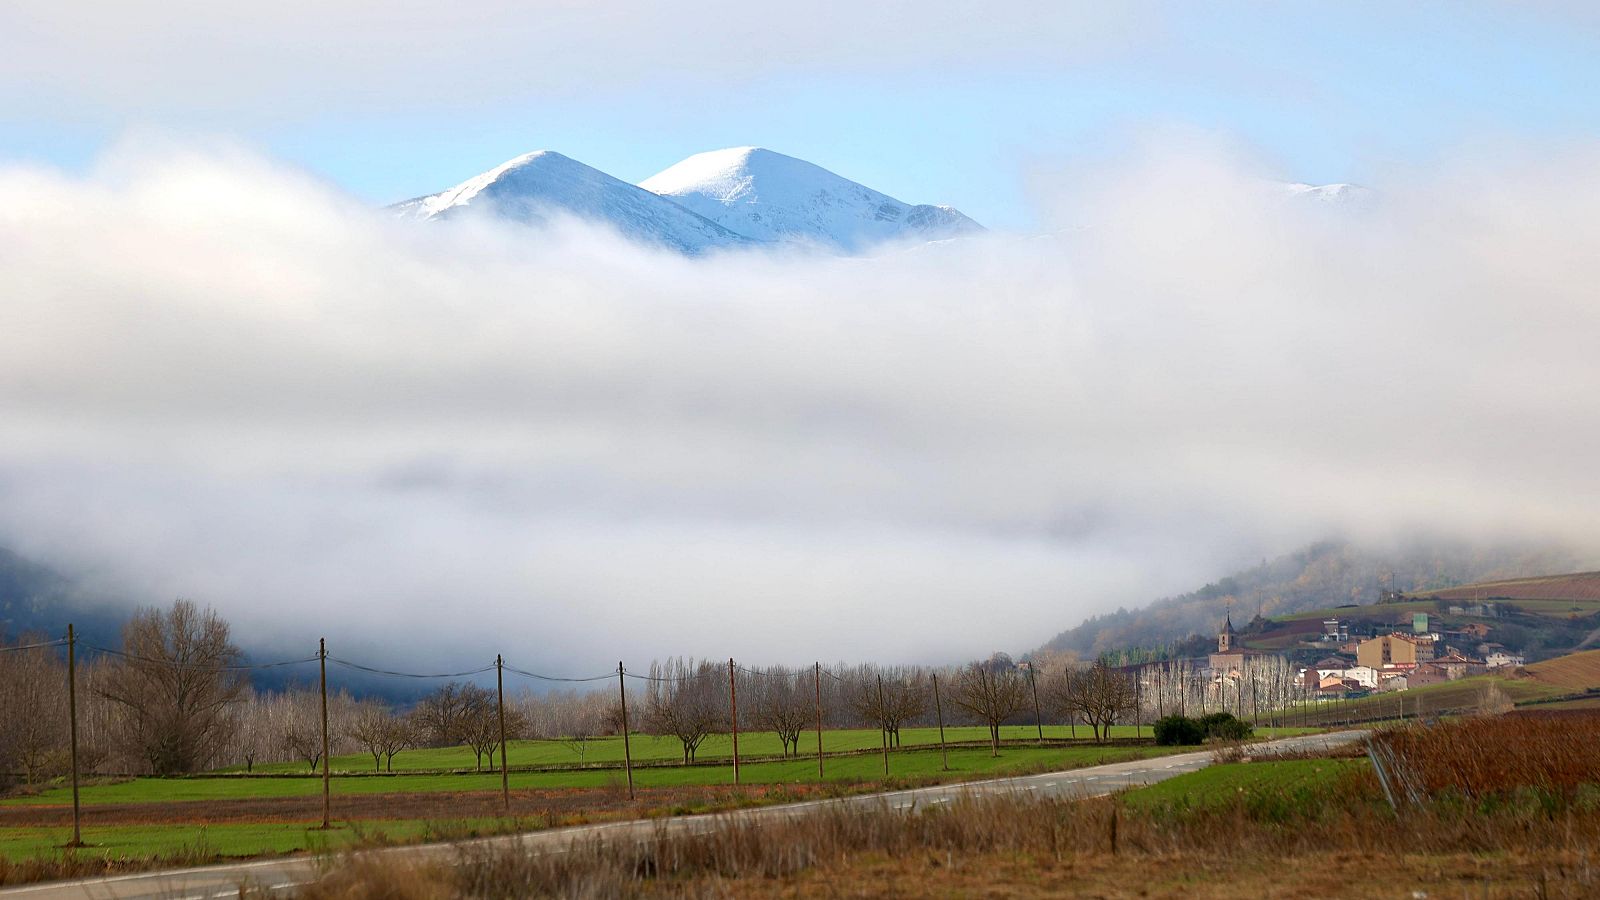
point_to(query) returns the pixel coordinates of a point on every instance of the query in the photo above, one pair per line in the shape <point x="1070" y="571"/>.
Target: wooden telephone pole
<point x="938" y="709"/>
<point x="816" y="680"/>
<point x="322" y="658"/>
<point x="1038" y="720"/>
<point x="500" y="692"/>
<point x="733" y="702"/>
<point x="883" y="730"/>
<point x="72" y="712"/>
<point x="627" y="753"/>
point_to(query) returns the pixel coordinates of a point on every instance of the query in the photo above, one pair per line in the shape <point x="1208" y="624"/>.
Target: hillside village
<point x="1408" y="641"/>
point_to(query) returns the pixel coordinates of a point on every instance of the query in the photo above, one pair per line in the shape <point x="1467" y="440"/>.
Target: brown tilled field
<point x="1574" y="672"/>
<point x="547" y="805"/>
<point x="1577" y="586"/>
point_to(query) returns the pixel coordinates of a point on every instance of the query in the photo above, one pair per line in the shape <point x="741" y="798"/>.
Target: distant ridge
<point x="1322" y="576"/>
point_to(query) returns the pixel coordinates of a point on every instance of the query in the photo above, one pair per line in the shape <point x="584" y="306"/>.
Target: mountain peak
<point x="537" y="187"/>
<point x="1341" y="192"/>
<point x="768" y="196"/>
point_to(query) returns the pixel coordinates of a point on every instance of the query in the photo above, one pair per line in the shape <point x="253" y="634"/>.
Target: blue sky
<point x="957" y="110"/>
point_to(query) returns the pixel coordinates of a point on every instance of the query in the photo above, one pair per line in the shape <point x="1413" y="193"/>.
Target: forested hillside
<point x="26" y="591"/>
<point x="1322" y="575"/>
<point x="35" y="599"/>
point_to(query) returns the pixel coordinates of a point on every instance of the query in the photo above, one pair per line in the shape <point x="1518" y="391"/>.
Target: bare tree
<point x="574" y="717"/>
<point x="782" y="704"/>
<point x="175" y="682"/>
<point x="251" y="729"/>
<point x="687" y="701"/>
<point x="904" y="696"/>
<point x="377" y="730"/>
<point x="1098" y="695"/>
<point x="441" y="716"/>
<point x="301" y="722"/>
<point x="991" y="694"/>
<point x="480" y="724"/>
<point x="33" y="720"/>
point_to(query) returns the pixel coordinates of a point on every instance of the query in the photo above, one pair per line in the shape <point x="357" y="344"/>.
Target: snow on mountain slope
<point x="771" y="197"/>
<point x="1353" y="194"/>
<point x="537" y="186"/>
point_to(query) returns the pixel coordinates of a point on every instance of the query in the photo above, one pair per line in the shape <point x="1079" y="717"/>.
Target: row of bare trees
<point x="690" y="701"/>
<point x="175" y="699"/>
<point x="32" y="742"/>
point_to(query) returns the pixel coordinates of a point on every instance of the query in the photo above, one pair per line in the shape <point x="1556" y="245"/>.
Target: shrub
<point x="1225" y="727"/>
<point x="1176" y="730"/>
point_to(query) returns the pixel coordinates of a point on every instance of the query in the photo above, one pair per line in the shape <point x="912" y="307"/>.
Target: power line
<point x="58" y="642"/>
<point x="182" y="664"/>
<point x="710" y="673"/>
<point x="375" y="671"/>
<point x="749" y="671"/>
<point x="605" y="677"/>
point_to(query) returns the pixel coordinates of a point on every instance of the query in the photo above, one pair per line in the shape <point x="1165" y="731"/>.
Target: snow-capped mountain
<point x="1341" y="193"/>
<point x="537" y="186"/>
<point x="771" y="197"/>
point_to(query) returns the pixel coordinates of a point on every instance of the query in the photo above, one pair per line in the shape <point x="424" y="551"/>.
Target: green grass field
<point x="1273" y="786"/>
<point x="191" y="841"/>
<point x="429" y="771"/>
<point x="965" y="762"/>
<point x="649" y="749"/>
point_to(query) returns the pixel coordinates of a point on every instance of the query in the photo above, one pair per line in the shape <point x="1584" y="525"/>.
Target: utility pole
<point x="322" y="658"/>
<point x="1038" y="720"/>
<point x="72" y="713"/>
<point x="733" y="702"/>
<point x="500" y="692"/>
<point x="1255" y="704"/>
<point x="938" y="709"/>
<point x="1138" y="701"/>
<point x="816" y="679"/>
<point x="883" y="726"/>
<point x="627" y="754"/>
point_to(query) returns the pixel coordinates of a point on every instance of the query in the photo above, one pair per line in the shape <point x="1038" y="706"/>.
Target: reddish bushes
<point x="1497" y="757"/>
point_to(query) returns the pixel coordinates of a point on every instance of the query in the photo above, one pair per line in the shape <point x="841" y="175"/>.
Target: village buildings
<point x="1395" y="649"/>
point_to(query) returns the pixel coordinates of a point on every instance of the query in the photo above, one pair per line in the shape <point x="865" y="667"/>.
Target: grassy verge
<point x="1268" y="788"/>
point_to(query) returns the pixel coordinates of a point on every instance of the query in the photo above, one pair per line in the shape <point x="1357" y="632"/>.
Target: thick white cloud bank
<point x="219" y="379"/>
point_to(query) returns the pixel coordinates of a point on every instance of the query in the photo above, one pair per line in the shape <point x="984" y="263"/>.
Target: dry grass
<point x="1017" y="846"/>
<point x="68" y="864"/>
<point x="1555" y="758"/>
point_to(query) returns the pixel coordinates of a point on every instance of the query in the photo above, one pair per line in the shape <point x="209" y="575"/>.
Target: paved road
<point x="223" y="881"/>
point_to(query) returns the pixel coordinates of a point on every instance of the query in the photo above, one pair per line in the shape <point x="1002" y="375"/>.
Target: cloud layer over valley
<point x="221" y="379"/>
